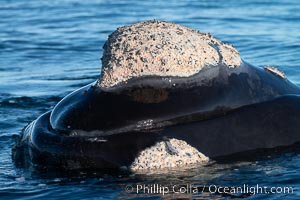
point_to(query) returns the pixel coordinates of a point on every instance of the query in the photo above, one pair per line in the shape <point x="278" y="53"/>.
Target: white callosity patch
<point x="275" y="71"/>
<point x="230" y="56"/>
<point x="161" y="49"/>
<point x="168" y="154"/>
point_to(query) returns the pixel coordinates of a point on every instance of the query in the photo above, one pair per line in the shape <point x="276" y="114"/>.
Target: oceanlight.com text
<point x="213" y="189"/>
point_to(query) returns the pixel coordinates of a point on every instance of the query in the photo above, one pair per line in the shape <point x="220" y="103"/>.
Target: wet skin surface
<point x="237" y="110"/>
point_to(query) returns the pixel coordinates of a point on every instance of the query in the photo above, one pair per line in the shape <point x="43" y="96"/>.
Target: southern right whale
<point x="167" y="96"/>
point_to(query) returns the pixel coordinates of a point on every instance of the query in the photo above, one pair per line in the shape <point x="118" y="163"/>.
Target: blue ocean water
<point x="50" y="48"/>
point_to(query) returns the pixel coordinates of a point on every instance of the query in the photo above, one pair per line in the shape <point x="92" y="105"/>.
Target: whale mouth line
<point x="150" y="125"/>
